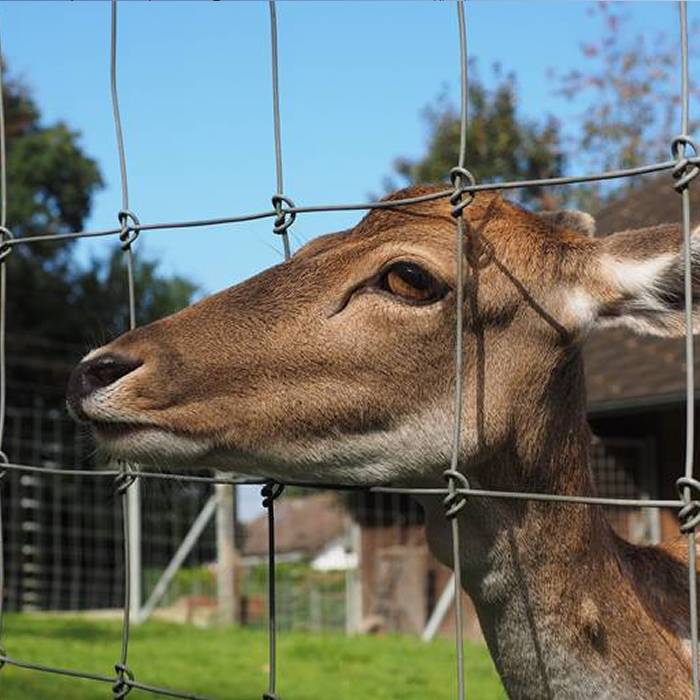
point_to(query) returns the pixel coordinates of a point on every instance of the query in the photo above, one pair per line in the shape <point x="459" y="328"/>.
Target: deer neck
<point x="560" y="614"/>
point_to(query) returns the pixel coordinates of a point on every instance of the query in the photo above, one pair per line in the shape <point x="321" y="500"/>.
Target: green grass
<point x="230" y="664"/>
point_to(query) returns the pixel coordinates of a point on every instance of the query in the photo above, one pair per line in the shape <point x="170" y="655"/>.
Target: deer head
<point x="338" y="364"/>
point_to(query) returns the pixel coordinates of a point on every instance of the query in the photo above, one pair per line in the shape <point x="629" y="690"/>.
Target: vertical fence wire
<point x="281" y="223"/>
<point x="3" y="311"/>
<point x="689" y="349"/>
<point x="125" y="214"/>
<point x="3" y="233"/>
<point x="127" y="478"/>
<point x="454" y="501"/>
<point x="271" y="491"/>
<point x="285" y="212"/>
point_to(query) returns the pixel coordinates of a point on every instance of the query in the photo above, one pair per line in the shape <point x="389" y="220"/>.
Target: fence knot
<point x="130" y="227"/>
<point x="454" y="502"/>
<point x="686" y="167"/>
<point x="122" y="685"/>
<point x="689" y="514"/>
<point x="284" y="218"/>
<point x="3" y="472"/>
<point x="126" y="477"/>
<point x="461" y="178"/>
<point x="270" y="492"/>
<point x="6" y="238"/>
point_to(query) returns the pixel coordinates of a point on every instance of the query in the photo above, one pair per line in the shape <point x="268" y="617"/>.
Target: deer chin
<point x="148" y="444"/>
<point x="411" y="452"/>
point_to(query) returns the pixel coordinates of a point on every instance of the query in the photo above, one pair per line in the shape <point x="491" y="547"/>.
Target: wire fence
<point x="684" y="166"/>
<point x="63" y="533"/>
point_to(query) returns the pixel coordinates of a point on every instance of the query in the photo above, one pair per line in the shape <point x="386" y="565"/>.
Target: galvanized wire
<point x="271" y="490"/>
<point x="620" y="173"/>
<point x="129" y="683"/>
<point x="466" y="491"/>
<point x="453" y="501"/>
<point x="126" y="479"/>
<point x="684" y="166"/>
<point x="680" y="151"/>
<point x="281" y="221"/>
<point x="4" y="234"/>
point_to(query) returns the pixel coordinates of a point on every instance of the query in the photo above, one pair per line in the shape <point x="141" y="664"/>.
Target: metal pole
<point x="182" y="552"/>
<point x="133" y="496"/>
<point x="226" y="553"/>
<point x="353" y="582"/>
<point x="447" y="597"/>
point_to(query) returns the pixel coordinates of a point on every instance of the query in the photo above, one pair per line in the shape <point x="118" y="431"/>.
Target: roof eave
<point x="637" y="403"/>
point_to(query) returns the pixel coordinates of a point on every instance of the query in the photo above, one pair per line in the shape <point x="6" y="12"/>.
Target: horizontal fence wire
<point x="684" y="166"/>
<point x="335" y="486"/>
<point x="137" y="227"/>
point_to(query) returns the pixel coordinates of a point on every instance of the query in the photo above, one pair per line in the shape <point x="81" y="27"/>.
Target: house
<point x="636" y="395"/>
<point x="636" y="384"/>
<point x="316" y="572"/>
<point x="312" y="529"/>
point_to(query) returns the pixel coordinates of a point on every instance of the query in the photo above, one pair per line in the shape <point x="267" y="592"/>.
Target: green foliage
<point x="501" y="145"/>
<point x="630" y="111"/>
<point x="231" y="663"/>
<point x="189" y="580"/>
<point x="52" y="182"/>
<point x="57" y="309"/>
<point x="306" y="599"/>
<point x="105" y="278"/>
<point x="297" y="575"/>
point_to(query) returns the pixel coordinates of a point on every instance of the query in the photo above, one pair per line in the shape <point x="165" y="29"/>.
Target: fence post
<point x="226" y="553"/>
<point x="133" y="496"/>
<point x="181" y="553"/>
<point x="353" y="581"/>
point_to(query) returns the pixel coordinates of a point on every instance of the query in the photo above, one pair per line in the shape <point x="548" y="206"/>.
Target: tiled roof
<point x="621" y="365"/>
<point x="304" y="525"/>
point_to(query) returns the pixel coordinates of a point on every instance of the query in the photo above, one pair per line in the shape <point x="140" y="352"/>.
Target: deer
<point x="338" y="366"/>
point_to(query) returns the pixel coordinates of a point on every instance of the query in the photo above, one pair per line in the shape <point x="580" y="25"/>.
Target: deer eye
<point x="412" y="283"/>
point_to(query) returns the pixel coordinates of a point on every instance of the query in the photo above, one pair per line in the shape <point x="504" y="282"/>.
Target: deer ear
<point x="573" y="219"/>
<point x="641" y="274"/>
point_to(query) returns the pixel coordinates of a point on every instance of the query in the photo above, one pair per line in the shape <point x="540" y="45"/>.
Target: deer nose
<point x="98" y="373"/>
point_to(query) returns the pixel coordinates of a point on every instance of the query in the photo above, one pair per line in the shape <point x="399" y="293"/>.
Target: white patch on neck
<point x="687" y="648"/>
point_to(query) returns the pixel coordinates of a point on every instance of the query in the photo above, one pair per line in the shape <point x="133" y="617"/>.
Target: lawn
<point x="230" y="664"/>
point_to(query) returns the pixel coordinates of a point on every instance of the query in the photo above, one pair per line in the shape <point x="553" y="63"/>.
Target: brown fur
<point x="274" y="372"/>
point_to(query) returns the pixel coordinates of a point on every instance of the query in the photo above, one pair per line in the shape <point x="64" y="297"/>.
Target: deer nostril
<point x="98" y="373"/>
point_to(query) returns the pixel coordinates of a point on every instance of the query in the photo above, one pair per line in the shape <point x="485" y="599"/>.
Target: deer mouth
<point x="148" y="443"/>
<point x="106" y="431"/>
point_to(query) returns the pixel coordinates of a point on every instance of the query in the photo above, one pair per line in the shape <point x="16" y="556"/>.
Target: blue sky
<point x="194" y="83"/>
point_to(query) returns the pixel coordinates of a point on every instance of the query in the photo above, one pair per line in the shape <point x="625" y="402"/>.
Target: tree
<point x="628" y="91"/>
<point x="630" y="101"/>
<point x="56" y="308"/>
<point x="501" y="145"/>
<point x="156" y="294"/>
